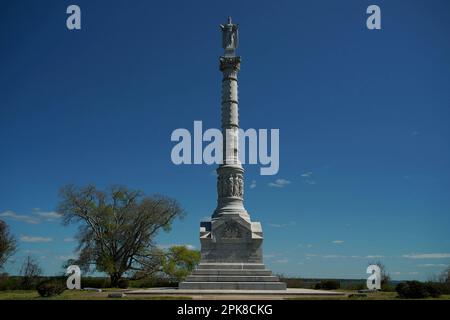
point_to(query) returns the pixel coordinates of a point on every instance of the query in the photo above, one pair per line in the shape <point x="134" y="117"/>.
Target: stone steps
<point x="234" y="266"/>
<point x="212" y="278"/>
<point x="232" y="276"/>
<point x="231" y="272"/>
<point x="221" y="285"/>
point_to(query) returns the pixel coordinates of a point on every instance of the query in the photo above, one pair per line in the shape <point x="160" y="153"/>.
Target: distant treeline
<point x="18" y="283"/>
<point x="332" y="284"/>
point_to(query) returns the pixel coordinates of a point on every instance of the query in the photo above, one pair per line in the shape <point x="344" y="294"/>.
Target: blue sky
<point x="363" y="118"/>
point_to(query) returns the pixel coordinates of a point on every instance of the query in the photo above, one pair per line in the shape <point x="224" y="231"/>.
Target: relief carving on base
<point x="231" y="230"/>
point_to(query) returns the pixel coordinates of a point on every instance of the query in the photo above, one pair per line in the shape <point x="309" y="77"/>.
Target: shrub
<point x="388" y="288"/>
<point x="95" y="282"/>
<point x="4" y="281"/>
<point x="353" y="285"/>
<point x="442" y="287"/>
<point x="13" y="283"/>
<point x="433" y="289"/>
<point x="328" y="285"/>
<point x="49" y="288"/>
<point x="153" y="283"/>
<point x="293" y="282"/>
<point x="418" y="290"/>
<point x="445" y="287"/>
<point x="123" y="283"/>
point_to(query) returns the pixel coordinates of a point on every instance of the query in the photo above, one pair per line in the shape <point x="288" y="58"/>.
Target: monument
<point x="231" y="244"/>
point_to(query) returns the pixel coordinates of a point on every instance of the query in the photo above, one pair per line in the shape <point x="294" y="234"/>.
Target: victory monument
<point x="231" y="244"/>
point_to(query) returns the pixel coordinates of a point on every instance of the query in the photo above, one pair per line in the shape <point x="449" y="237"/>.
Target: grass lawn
<point x="91" y="295"/>
<point x="370" y="296"/>
<point x="79" y="295"/>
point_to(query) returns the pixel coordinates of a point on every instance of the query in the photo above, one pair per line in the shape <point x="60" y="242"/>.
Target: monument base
<point x="231" y="257"/>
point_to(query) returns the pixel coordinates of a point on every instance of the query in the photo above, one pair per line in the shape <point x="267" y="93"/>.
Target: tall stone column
<point x="230" y="174"/>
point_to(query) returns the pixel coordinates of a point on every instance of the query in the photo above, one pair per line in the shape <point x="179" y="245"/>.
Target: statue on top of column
<point x="229" y="37"/>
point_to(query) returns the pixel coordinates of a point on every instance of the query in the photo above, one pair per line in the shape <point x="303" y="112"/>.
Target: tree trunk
<point x="115" y="277"/>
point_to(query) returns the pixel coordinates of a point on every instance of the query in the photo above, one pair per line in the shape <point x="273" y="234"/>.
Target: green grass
<point x="66" y="295"/>
<point x="91" y="295"/>
<point x="370" y="296"/>
<point x="79" y="295"/>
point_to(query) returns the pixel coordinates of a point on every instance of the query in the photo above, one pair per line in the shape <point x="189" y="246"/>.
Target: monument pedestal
<point x="231" y="257"/>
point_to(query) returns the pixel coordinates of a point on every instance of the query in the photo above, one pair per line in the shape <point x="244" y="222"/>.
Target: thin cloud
<point x="167" y="246"/>
<point x="276" y="225"/>
<point x="35" y="239"/>
<point x="282" y="225"/>
<point x="397" y="273"/>
<point x="253" y="184"/>
<point x="37" y="217"/>
<point x="433" y="265"/>
<point x="279" y="183"/>
<point x="338" y="241"/>
<point x="337" y="256"/>
<point x="19" y="217"/>
<point x="427" y="256"/>
<point x="307" y="178"/>
<point x="69" y="239"/>
<point x="47" y="215"/>
<point x="281" y="261"/>
<point x="34" y="251"/>
<point x="65" y="258"/>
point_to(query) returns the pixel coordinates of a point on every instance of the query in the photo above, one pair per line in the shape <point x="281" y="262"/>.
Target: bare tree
<point x="117" y="228"/>
<point x="445" y="276"/>
<point x="7" y="244"/>
<point x="30" y="272"/>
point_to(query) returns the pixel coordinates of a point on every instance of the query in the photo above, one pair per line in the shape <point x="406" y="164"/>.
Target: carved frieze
<point x="230" y="185"/>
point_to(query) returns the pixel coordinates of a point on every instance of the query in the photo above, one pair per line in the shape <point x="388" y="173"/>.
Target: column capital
<point x="230" y="63"/>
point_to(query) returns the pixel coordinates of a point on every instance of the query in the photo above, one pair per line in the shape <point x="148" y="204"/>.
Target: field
<point x="91" y="295"/>
<point x="78" y="295"/>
